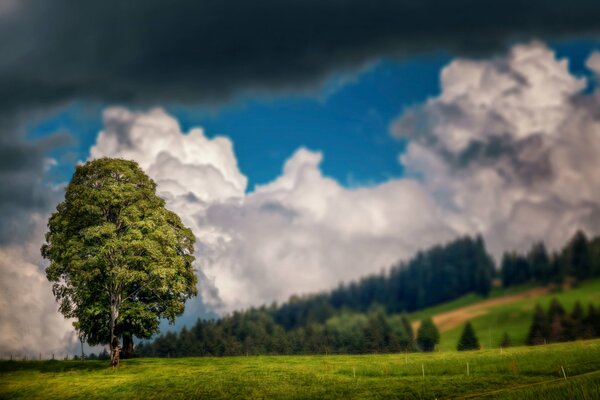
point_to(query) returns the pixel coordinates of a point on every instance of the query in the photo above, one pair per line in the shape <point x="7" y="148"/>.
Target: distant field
<point x="519" y="373"/>
<point x="514" y="317"/>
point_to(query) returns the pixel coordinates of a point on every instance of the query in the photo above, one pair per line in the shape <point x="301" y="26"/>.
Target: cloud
<point x="22" y="189"/>
<point x="188" y="51"/>
<point x="510" y="147"/>
<point x="300" y="233"/>
<point x="29" y="320"/>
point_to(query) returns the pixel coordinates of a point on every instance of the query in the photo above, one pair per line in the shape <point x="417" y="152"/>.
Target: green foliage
<point x="468" y="339"/>
<point x="255" y="332"/>
<point x="119" y="260"/>
<point x="427" y="335"/>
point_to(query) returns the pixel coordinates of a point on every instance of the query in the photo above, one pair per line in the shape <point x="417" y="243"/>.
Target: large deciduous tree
<point x="119" y="260"/>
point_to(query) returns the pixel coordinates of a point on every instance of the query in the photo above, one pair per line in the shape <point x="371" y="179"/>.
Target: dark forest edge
<point x="369" y="316"/>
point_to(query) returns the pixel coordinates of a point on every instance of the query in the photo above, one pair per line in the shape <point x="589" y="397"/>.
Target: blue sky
<point x="347" y="118"/>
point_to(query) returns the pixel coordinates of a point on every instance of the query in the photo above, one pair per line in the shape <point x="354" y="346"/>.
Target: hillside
<point x="453" y="283"/>
<point x="504" y="311"/>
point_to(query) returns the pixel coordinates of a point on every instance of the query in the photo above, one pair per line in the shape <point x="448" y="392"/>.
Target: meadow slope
<point x="505" y="311"/>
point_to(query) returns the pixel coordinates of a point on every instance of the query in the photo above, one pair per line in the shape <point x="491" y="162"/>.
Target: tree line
<point x="368" y="316"/>
<point x="433" y="276"/>
<point x="557" y="325"/>
<point x="578" y="259"/>
<point x="256" y="332"/>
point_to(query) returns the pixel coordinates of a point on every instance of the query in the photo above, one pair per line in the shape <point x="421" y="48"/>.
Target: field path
<point x="451" y="319"/>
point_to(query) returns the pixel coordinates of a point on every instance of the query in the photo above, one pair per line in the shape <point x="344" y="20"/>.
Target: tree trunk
<point x="127" y="350"/>
<point x="114" y="340"/>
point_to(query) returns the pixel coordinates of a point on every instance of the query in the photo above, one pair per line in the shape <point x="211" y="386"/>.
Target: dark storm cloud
<point x="21" y="187"/>
<point x="155" y="51"/>
<point x="152" y="52"/>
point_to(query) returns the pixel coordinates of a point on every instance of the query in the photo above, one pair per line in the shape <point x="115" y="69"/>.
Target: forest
<point x="368" y="316"/>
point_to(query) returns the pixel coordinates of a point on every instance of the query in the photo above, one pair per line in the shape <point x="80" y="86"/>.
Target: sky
<point x="305" y="143"/>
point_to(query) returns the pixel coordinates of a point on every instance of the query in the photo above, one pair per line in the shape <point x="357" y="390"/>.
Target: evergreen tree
<point x="575" y="327"/>
<point x="407" y="342"/>
<point x="539" y="330"/>
<point x="591" y="323"/>
<point x="540" y="263"/>
<point x="377" y="333"/>
<point x="427" y="335"/>
<point x="556" y="318"/>
<point x="407" y="327"/>
<point x="579" y="256"/>
<point x="468" y="340"/>
<point x="506" y="341"/>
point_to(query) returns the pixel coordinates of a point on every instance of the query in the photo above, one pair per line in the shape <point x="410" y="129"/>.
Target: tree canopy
<point x="119" y="260"/>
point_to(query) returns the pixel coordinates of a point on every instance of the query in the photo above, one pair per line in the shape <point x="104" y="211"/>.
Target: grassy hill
<point x="515" y="373"/>
<point x="505" y="311"/>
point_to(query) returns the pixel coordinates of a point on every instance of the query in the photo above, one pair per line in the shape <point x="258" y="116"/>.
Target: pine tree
<point x="468" y="339"/>
<point x="407" y="343"/>
<point x="540" y="262"/>
<point x="539" y="330"/>
<point x="427" y="335"/>
<point x="556" y="319"/>
<point x="579" y="257"/>
<point x="575" y="329"/>
<point x="506" y="341"/>
<point x="591" y="322"/>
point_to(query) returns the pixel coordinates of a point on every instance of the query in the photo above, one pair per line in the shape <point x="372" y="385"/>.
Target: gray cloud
<point x="189" y="51"/>
<point x="22" y="190"/>
<point x="509" y="147"/>
<point x="186" y="51"/>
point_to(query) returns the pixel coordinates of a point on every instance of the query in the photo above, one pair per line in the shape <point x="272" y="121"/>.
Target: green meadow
<point x="519" y="373"/>
<point x="513" y="318"/>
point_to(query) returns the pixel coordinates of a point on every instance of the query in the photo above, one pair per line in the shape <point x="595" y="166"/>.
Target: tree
<point x="427" y="335"/>
<point x="119" y="260"/>
<point x="540" y="262"/>
<point x="579" y="257"/>
<point x="575" y="327"/>
<point x="591" y="322"/>
<point x="556" y="318"/>
<point x="406" y="342"/>
<point x="468" y="340"/>
<point x="506" y="340"/>
<point x="539" y="330"/>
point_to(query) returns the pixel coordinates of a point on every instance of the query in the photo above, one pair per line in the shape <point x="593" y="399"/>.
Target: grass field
<point x="516" y="373"/>
<point x="514" y="317"/>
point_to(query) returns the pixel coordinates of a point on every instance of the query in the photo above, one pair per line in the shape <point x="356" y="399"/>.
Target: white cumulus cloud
<point x="510" y="148"/>
<point x="300" y="233"/>
<point x="30" y="324"/>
